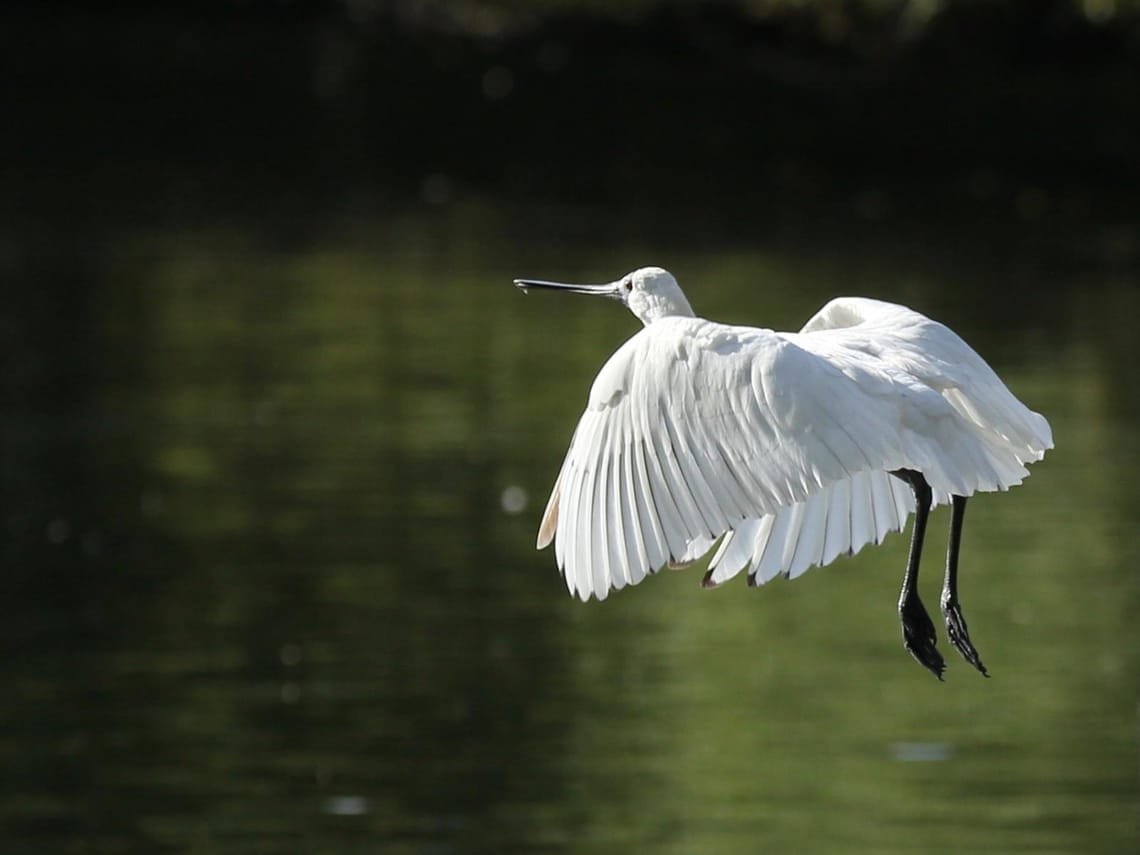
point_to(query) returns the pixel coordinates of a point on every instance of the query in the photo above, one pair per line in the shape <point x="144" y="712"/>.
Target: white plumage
<point x="782" y="444"/>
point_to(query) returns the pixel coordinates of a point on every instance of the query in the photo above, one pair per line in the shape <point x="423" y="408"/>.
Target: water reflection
<point x="270" y="580"/>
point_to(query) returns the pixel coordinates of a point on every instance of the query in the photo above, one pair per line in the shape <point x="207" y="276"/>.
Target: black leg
<point x="917" y="627"/>
<point x="951" y="610"/>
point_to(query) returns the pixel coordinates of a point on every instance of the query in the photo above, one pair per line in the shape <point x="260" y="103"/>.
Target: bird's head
<point x="649" y="292"/>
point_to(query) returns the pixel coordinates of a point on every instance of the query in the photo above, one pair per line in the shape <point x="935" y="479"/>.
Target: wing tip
<point x="549" y="524"/>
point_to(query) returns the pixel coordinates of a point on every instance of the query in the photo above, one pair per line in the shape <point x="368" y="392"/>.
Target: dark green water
<point x="267" y="587"/>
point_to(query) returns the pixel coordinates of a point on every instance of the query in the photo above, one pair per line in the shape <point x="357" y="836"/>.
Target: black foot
<point x="918" y="636"/>
<point x="960" y="636"/>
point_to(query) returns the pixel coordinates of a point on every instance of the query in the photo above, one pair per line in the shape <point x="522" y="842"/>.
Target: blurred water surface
<point x="270" y="586"/>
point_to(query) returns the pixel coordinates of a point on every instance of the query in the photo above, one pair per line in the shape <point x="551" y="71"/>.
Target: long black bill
<point x="610" y="290"/>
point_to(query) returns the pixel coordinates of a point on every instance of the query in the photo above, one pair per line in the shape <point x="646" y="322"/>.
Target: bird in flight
<point x="790" y="448"/>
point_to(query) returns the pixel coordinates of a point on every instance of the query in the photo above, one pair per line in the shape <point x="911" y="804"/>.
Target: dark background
<point x="191" y="109"/>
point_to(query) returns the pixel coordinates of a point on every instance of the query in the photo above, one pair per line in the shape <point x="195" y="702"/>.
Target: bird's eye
<point x="628" y="285"/>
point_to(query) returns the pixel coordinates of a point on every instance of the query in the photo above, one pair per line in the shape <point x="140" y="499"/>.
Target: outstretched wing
<point x="990" y="438"/>
<point x="936" y="357"/>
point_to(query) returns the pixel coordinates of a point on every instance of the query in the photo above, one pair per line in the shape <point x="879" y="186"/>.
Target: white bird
<point x="794" y="448"/>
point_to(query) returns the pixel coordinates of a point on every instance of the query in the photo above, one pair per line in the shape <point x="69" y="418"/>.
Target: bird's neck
<point x="654" y="308"/>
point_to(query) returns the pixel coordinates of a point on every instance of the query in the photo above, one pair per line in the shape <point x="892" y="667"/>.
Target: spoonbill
<point x="791" y="448"/>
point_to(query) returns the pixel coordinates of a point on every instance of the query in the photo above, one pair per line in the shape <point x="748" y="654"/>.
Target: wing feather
<point x="690" y="474"/>
<point x="732" y="555"/>
<point x="579" y="552"/>
<point x="629" y="499"/>
<point x="883" y="508"/>
<point x="784" y="542"/>
<point x="601" y="519"/>
<point x="669" y="483"/>
<point x="862" y="512"/>
<point x="809" y="544"/>
<point x="837" y="536"/>
<point x="619" y="545"/>
<point x="653" y="510"/>
<point x="549" y="522"/>
<point x="795" y="530"/>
